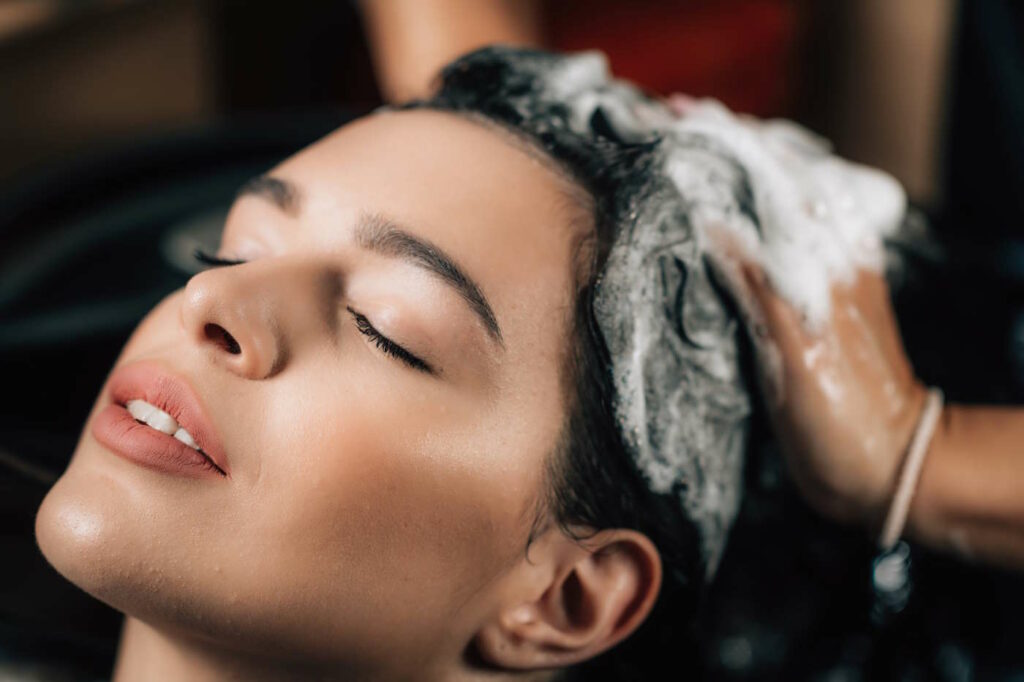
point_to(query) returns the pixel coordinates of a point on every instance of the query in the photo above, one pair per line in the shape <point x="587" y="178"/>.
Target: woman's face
<point x="376" y="490"/>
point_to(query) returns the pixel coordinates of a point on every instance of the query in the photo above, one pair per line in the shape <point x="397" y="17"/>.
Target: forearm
<point x="888" y="65"/>
<point x="970" y="498"/>
<point x="412" y="39"/>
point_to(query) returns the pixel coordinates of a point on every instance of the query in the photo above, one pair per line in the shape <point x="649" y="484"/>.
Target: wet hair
<point x="592" y="477"/>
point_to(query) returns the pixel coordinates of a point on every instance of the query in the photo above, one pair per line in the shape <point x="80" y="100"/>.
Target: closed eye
<point x="382" y="342"/>
<point x="205" y="258"/>
<point x="385" y="344"/>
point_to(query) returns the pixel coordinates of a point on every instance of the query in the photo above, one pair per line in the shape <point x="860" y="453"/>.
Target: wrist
<point x="877" y="498"/>
<point x="928" y="518"/>
<point x="914" y="458"/>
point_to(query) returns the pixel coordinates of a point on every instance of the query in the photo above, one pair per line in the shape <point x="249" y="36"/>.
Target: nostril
<point x="220" y="336"/>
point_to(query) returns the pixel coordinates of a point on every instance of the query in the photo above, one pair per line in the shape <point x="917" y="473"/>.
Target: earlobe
<point x="579" y="600"/>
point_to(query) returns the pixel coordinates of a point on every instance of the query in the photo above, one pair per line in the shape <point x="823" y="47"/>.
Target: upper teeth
<point x="161" y="421"/>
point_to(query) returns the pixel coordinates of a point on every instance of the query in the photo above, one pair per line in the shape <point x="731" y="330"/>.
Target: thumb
<point x="729" y="260"/>
<point x="774" y="327"/>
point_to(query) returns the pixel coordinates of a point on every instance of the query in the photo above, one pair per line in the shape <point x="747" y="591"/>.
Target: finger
<point x="729" y="273"/>
<point x="857" y="320"/>
<point x="892" y="340"/>
<point x="783" y="323"/>
<point x="726" y="256"/>
<point x="868" y="301"/>
<point x="680" y="104"/>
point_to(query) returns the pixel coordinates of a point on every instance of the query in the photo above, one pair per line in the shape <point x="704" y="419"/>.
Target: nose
<point x="248" y="317"/>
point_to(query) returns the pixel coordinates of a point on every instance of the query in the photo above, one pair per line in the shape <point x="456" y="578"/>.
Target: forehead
<point x="455" y="161"/>
<point x="504" y="214"/>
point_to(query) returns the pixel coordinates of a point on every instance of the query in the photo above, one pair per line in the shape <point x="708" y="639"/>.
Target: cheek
<point x="160" y="326"/>
<point x="158" y="335"/>
<point x="387" y="498"/>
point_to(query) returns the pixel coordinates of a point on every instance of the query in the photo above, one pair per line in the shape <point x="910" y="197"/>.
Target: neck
<point x="146" y="653"/>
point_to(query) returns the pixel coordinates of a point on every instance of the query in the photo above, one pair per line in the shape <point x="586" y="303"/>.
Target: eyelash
<point x="382" y="342"/>
<point x="385" y="344"/>
<point x="210" y="259"/>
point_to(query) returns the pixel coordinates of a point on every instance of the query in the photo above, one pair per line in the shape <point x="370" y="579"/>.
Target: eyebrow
<point x="281" y="193"/>
<point x="380" y="234"/>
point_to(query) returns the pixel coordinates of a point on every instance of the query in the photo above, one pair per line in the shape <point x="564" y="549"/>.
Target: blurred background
<point x="127" y="125"/>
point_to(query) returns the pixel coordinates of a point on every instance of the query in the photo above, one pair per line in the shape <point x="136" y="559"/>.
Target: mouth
<point x="155" y="419"/>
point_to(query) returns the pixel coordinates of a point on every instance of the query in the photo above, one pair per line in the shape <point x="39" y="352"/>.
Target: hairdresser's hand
<point x="844" y="401"/>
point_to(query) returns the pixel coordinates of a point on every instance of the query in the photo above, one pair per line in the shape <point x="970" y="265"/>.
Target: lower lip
<point x="117" y="429"/>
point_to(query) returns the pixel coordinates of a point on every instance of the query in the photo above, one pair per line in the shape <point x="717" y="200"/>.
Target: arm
<point x="970" y="499"/>
<point x="412" y="39"/>
<point x="881" y="84"/>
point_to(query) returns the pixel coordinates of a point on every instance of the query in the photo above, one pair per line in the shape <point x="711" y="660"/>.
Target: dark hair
<point x="592" y="480"/>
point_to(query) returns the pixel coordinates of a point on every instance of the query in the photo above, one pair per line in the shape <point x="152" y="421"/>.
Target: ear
<point x="570" y="600"/>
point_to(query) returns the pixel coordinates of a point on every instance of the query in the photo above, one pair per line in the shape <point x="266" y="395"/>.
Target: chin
<point x="109" y="531"/>
<point x="89" y="533"/>
<point x="80" y="532"/>
<point x="93" y="531"/>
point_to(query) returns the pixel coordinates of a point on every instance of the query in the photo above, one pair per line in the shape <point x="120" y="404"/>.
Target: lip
<point x="115" y="428"/>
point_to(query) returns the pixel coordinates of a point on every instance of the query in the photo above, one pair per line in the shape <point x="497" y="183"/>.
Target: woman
<point x="378" y="392"/>
<point x="394" y="436"/>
